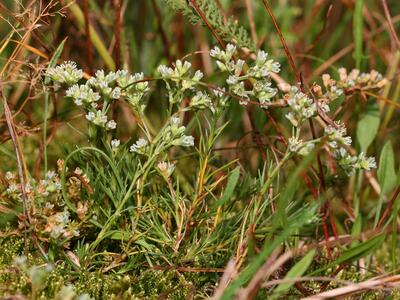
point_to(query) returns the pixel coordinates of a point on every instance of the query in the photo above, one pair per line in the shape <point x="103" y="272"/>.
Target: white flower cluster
<point x="133" y="88"/>
<point x="350" y="163"/>
<point x="99" y="118"/>
<point x="363" y="81"/>
<point x="337" y="135"/>
<point x="46" y="187"/>
<point x="174" y="134"/>
<point x="115" y="144"/>
<point x="166" y="168"/>
<point x="103" y="86"/>
<point x="332" y="91"/>
<point x="296" y="145"/>
<point x="369" y="80"/>
<point x="59" y="225"/>
<point x="263" y="67"/>
<point x="179" y="79"/>
<point x="259" y="72"/>
<point x="201" y="100"/>
<point x="140" y="147"/>
<point x="337" y="141"/>
<point x="50" y="184"/>
<point x="301" y="107"/>
<point x="83" y="95"/>
<point x="221" y="100"/>
<point x="66" y="73"/>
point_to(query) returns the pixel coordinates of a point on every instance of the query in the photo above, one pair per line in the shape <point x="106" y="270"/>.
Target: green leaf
<point x="296" y="271"/>
<point x="230" y="187"/>
<point x="358" y="31"/>
<point x="355" y="252"/>
<point x="120" y="235"/>
<point x="55" y="57"/>
<point x="53" y="62"/>
<point x="386" y="172"/>
<point x="356" y="229"/>
<point x="367" y="127"/>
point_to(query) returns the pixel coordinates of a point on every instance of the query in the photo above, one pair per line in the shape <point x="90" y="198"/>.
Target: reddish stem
<point x="117" y="33"/>
<point x="163" y="36"/>
<point x="291" y="61"/>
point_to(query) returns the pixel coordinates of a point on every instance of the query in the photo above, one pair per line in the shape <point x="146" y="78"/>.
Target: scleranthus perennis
<point x="139" y="182"/>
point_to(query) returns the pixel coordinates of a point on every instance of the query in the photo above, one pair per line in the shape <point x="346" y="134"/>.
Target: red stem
<point x="291" y="61"/>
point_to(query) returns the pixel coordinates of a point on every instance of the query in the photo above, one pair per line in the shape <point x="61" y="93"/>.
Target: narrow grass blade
<point x="358" y="31"/>
<point x="52" y="63"/>
<point x="295" y="272"/>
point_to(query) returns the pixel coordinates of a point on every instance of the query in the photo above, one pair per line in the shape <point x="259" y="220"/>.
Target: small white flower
<point x="336" y="135"/>
<point x="62" y="217"/>
<point x="187" y="141"/>
<point x="98" y="118"/>
<point x="174" y="129"/>
<point x="115" y="143"/>
<point x="116" y="93"/>
<point x="301" y="107"/>
<point x="57" y="231"/>
<point x="165" y="71"/>
<point x="12" y="188"/>
<point x="365" y="163"/>
<point x="232" y="80"/>
<point x="90" y="116"/>
<point x="215" y="52"/>
<point x="230" y="49"/>
<point x="111" y="124"/>
<point x="201" y="101"/>
<point x="238" y="67"/>
<point x="299" y="147"/>
<point x="82" y="94"/>
<point x="175" y="121"/>
<point x="10" y="176"/>
<point x="166" y="168"/>
<point x="50" y="175"/>
<point x="182" y="68"/>
<point x="66" y="73"/>
<point x="261" y="57"/>
<point x="198" y="75"/>
<point x="139" y="146"/>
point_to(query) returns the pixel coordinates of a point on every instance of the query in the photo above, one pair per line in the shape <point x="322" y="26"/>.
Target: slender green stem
<point x="46" y="109"/>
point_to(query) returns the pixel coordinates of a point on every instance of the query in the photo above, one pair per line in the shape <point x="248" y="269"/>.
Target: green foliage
<point x="228" y="28"/>
<point x="358" y="32"/>
<point x="295" y="272"/>
<point x="386" y="172"/>
<point x="367" y="127"/>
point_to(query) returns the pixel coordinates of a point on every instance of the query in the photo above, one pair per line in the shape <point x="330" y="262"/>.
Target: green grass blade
<point x="295" y="272"/>
<point x="230" y="187"/>
<point x="354" y="253"/>
<point x="53" y="62"/>
<point x="357" y="32"/>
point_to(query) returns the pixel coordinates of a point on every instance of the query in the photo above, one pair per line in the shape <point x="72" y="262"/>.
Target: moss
<point x="149" y="284"/>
